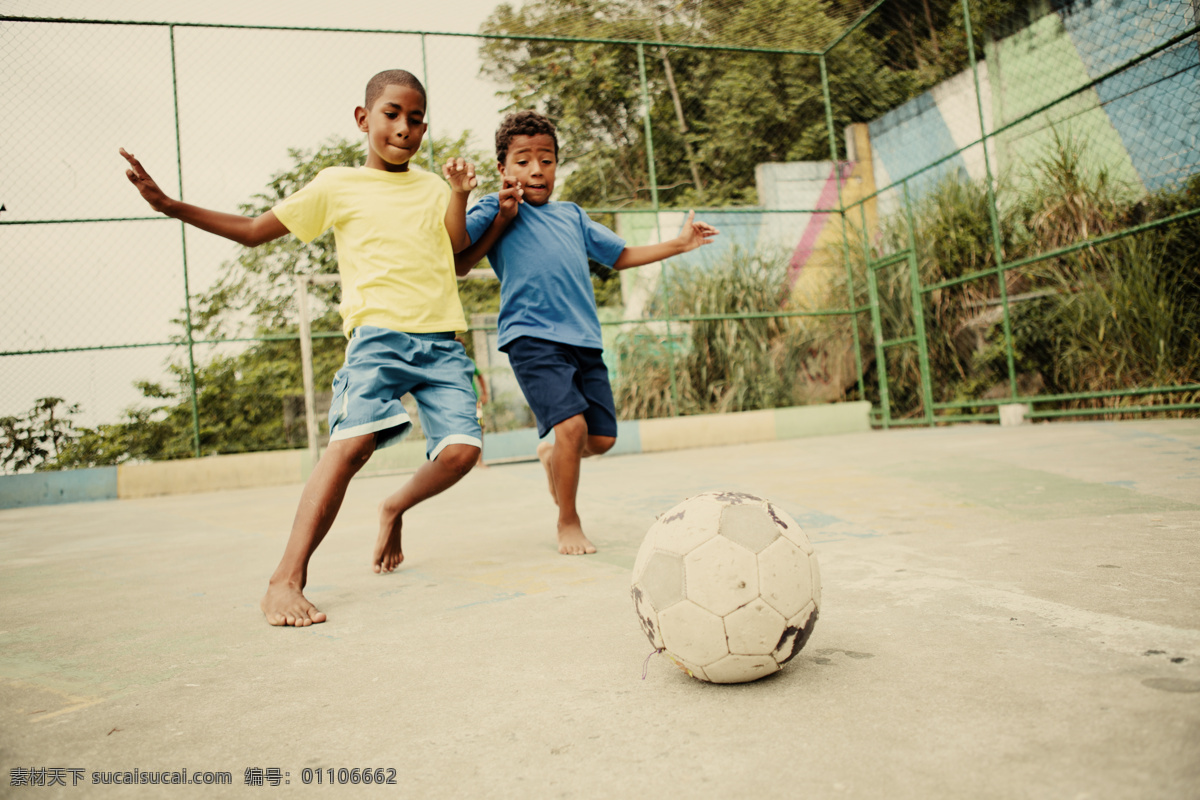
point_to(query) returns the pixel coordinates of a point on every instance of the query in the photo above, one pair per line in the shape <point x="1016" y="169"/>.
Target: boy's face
<point x="395" y="125"/>
<point x="531" y="161"/>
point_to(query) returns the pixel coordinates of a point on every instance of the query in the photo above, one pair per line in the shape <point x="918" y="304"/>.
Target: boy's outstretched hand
<point x="510" y="197"/>
<point x="460" y="174"/>
<point x="149" y="190"/>
<point x="695" y="233"/>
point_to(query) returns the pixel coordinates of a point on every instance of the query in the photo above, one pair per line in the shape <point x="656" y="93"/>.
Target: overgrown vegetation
<point x="730" y="363"/>
<point x="1103" y="318"/>
<point x="734" y="109"/>
<point x="1119" y="315"/>
<point x="1108" y="317"/>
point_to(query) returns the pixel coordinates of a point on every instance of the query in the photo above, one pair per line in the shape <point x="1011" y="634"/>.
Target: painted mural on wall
<point x="1142" y="125"/>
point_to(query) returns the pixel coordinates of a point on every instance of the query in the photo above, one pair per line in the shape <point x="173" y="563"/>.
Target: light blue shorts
<point x="382" y="366"/>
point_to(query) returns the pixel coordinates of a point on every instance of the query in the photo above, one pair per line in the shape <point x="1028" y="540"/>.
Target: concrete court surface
<point x="1008" y="612"/>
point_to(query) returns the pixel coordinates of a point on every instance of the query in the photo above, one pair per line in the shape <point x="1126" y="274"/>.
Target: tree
<point x="731" y="111"/>
<point x="34" y="440"/>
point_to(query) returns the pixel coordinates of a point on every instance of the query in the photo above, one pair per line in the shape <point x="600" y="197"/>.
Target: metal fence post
<point x="306" y="355"/>
<point x="425" y="80"/>
<point x="662" y="272"/>
<point x="918" y="309"/>
<point x="877" y="327"/>
<point x="833" y="155"/>
<point x="306" y="364"/>
<point x="993" y="213"/>
<point x="187" y="294"/>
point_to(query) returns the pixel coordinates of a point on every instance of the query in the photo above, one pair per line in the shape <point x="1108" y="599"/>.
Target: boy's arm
<point x="510" y="198"/>
<point x="248" y="231"/>
<point x="460" y="174"/>
<point x="694" y="235"/>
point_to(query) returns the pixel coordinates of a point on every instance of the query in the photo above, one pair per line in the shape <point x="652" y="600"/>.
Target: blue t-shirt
<point x="542" y="262"/>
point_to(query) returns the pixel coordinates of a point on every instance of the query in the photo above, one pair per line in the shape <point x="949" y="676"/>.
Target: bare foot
<point x="388" y="554"/>
<point x="572" y="542"/>
<point x="544" y="450"/>
<point x="286" y="605"/>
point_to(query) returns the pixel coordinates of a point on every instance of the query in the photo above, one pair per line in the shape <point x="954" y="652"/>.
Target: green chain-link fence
<point x="936" y="205"/>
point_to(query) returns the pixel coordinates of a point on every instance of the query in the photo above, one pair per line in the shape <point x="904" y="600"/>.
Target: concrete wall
<point x="49" y="488"/>
<point x="801" y="236"/>
<point x="927" y="128"/>
<point x="1142" y="125"/>
<point x="1154" y="108"/>
<point x="248" y="470"/>
<point x="1030" y="69"/>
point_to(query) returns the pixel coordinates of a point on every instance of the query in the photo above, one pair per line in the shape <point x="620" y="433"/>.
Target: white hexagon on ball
<point x="740" y="669"/>
<point x="693" y="634"/>
<point x="796" y="634"/>
<point x="784" y="577"/>
<point x="720" y="576"/>
<point x="687" y="525"/>
<point x="754" y="629"/>
<point x="740" y="585"/>
<point x="790" y="528"/>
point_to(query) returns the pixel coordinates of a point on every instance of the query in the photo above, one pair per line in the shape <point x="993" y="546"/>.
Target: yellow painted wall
<point x="825" y="267"/>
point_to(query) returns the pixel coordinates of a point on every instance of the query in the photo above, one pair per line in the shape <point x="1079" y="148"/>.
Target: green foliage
<point x="606" y="286"/>
<point x="1119" y="315"/>
<point x="240" y="406"/>
<point x="35" y="439"/>
<point x="739" y="109"/>
<point x="728" y="364"/>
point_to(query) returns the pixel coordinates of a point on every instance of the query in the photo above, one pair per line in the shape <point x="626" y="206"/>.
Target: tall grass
<point x="1124" y="315"/>
<point x="734" y="364"/>
<point x="1117" y="316"/>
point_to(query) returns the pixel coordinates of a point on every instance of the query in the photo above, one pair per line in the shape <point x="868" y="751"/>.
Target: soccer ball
<point x="727" y="585"/>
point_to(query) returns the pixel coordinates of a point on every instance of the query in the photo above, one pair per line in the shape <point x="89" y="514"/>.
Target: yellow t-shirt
<point x="393" y="251"/>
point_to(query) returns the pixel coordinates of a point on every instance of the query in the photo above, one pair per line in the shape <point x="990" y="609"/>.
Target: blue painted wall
<point x="914" y="135"/>
<point x="48" y="488"/>
<point x="1142" y="124"/>
<point x="1155" y="106"/>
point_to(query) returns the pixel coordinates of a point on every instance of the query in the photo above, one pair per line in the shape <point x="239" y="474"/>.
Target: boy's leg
<point x="284" y="602"/>
<point x="562" y="460"/>
<point x="432" y="478"/>
<point x="447" y="406"/>
<point x="567" y="388"/>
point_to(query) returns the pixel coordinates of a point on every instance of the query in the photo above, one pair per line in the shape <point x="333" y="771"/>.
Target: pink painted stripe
<point x="816" y="222"/>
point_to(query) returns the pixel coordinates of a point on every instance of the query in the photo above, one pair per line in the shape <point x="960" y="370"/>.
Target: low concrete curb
<point x="279" y="467"/>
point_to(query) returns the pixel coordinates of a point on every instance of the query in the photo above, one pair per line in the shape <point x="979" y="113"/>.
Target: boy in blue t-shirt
<point x="548" y="323"/>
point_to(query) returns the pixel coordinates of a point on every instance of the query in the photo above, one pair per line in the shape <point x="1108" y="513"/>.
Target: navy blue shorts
<point x="562" y="380"/>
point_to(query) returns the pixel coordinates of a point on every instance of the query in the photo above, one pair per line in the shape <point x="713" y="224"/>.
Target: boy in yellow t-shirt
<point x="396" y="232"/>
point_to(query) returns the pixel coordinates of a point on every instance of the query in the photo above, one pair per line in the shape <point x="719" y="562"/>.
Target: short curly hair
<point x="388" y="77"/>
<point x="523" y="123"/>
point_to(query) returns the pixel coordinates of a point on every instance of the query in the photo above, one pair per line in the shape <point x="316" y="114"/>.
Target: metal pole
<point x="306" y="356"/>
<point x="662" y="272"/>
<point x="862" y="393"/>
<point x="918" y="311"/>
<point x="429" y="138"/>
<point x="997" y="244"/>
<point x="877" y="326"/>
<point x="187" y="294"/>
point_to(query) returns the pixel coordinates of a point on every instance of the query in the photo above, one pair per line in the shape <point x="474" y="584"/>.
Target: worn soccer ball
<point x="727" y="585"/>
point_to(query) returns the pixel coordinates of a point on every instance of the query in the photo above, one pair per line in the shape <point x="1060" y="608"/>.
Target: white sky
<point x="74" y="94"/>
